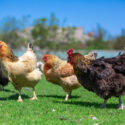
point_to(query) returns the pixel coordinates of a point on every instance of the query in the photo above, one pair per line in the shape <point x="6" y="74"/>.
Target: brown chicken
<point x="21" y="71"/>
<point x="61" y="73"/>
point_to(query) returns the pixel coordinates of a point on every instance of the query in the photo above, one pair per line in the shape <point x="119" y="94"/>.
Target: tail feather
<point x="30" y="46"/>
<point x="91" y="56"/>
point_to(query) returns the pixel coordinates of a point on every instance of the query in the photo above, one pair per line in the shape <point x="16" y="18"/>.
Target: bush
<point x="119" y="43"/>
<point x="13" y="39"/>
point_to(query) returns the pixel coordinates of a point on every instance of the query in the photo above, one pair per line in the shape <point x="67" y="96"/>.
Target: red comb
<point x="70" y="51"/>
<point x="44" y="56"/>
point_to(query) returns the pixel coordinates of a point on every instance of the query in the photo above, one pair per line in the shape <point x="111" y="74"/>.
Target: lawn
<point x="51" y="109"/>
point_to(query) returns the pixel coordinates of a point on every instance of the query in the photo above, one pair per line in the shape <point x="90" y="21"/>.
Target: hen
<point x="103" y="76"/>
<point x="3" y="80"/>
<point x="118" y="63"/>
<point x="61" y="73"/>
<point x="21" y="71"/>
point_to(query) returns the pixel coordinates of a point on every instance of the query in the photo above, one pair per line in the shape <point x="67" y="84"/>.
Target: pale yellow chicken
<point x="21" y="71"/>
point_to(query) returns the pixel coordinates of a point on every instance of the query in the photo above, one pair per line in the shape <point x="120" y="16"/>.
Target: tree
<point x="99" y="41"/>
<point x="9" y="24"/>
<point x="119" y="43"/>
<point x="45" y="31"/>
<point x="13" y="39"/>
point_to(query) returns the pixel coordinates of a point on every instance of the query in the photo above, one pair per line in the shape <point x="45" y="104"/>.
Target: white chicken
<point x="21" y="71"/>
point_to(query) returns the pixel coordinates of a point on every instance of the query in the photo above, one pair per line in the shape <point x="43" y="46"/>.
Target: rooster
<point x="59" y="72"/>
<point x="21" y="71"/>
<point x="105" y="77"/>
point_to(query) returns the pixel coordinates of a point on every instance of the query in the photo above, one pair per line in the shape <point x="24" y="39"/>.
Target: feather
<point x="103" y="76"/>
<point x="21" y="71"/>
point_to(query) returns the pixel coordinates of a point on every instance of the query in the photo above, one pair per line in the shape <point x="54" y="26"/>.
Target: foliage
<point x="47" y="34"/>
<point x="51" y="109"/>
<point x="44" y="31"/>
<point x="65" y="46"/>
<point x="98" y="45"/>
<point x="13" y="39"/>
<point x="9" y="28"/>
<point x="9" y="24"/>
<point x="119" y="43"/>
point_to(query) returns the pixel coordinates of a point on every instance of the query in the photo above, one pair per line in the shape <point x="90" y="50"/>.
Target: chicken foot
<point x="104" y="104"/>
<point x="1" y="88"/>
<point x="34" y="95"/>
<point x="121" y="106"/>
<point x="19" y="97"/>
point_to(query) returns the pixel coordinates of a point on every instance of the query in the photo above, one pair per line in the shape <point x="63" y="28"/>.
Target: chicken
<point x="3" y="80"/>
<point x="100" y="76"/>
<point x="118" y="63"/>
<point x="61" y="73"/>
<point x="21" y="71"/>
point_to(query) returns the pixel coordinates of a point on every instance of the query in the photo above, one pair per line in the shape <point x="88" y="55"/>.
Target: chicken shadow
<point x="14" y="97"/>
<point x="57" y="96"/>
<point x="7" y="90"/>
<point x="88" y="104"/>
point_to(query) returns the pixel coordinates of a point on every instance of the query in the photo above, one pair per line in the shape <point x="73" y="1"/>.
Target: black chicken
<point x="104" y="76"/>
<point x="3" y="80"/>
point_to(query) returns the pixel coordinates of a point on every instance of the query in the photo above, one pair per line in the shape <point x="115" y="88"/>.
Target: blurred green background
<point x="53" y="25"/>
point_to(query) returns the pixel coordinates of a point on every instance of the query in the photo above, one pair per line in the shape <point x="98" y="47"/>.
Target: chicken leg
<point x="1" y="88"/>
<point x="121" y="106"/>
<point x="34" y="95"/>
<point x="19" y="97"/>
<point x="104" y="104"/>
<point x="68" y="95"/>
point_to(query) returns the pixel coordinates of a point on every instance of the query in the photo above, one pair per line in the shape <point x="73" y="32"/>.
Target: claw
<point x="34" y="95"/>
<point x="19" y="100"/>
<point x="121" y="107"/>
<point x="34" y="98"/>
<point x="104" y="104"/>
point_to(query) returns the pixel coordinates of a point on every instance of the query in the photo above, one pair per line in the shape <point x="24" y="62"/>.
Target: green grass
<point x="51" y="109"/>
